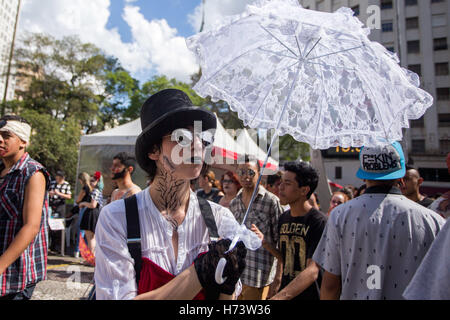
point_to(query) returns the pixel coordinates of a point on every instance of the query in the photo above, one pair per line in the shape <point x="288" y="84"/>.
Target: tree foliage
<point x="64" y="77"/>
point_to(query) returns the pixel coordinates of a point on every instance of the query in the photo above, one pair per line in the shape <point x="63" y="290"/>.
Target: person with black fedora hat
<point x="173" y="232"/>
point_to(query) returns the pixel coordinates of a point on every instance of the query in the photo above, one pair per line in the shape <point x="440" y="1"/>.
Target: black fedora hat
<point x="163" y="112"/>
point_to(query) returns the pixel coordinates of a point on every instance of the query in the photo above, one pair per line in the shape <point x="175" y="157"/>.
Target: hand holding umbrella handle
<point x="222" y="262"/>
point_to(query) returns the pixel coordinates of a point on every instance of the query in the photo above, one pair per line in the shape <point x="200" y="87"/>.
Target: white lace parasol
<point x="313" y="75"/>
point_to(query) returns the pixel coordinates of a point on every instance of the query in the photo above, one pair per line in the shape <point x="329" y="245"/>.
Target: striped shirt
<point x="97" y="195"/>
<point x="31" y="266"/>
<point x="266" y="209"/>
<point x="64" y="187"/>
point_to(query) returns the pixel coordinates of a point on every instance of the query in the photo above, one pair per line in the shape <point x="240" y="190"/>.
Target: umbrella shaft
<point x="275" y="136"/>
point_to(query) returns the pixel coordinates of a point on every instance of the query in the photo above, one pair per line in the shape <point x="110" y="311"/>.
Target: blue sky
<point x="147" y="36"/>
<point x="174" y="11"/>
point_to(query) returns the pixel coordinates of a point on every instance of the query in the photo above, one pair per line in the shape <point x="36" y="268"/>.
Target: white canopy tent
<point x="97" y="151"/>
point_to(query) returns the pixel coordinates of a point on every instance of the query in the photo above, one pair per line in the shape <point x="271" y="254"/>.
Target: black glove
<point x="206" y="266"/>
<point x="234" y="268"/>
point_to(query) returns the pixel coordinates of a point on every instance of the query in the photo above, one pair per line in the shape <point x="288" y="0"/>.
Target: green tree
<point x="154" y="85"/>
<point x="64" y="77"/>
<point x="120" y="90"/>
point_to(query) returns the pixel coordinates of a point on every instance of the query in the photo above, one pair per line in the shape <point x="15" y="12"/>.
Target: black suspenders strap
<point x="208" y="216"/>
<point x="134" y="234"/>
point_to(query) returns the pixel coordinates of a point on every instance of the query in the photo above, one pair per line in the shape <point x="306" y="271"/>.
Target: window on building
<point x="444" y="146"/>
<point x="419" y="123"/>
<point x="418" y="146"/>
<point x="441" y="69"/>
<point x="433" y="174"/>
<point x="412" y="23"/>
<point x="444" y="120"/>
<point x="386" y="4"/>
<point x="387" y="26"/>
<point x="437" y="1"/>
<point x="416" y="68"/>
<point x="443" y="94"/>
<point x="410" y="2"/>
<point x="439" y="20"/>
<point x="338" y="172"/>
<point x="414" y="46"/>
<point x="390" y="47"/>
<point x="440" y="44"/>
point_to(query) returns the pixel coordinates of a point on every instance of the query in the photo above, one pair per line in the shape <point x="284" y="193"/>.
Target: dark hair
<point x="347" y="192"/>
<point x="60" y="173"/>
<point x="211" y="177"/>
<point x="247" y="158"/>
<point x="233" y="176"/>
<point x="273" y="178"/>
<point x="11" y="117"/>
<point x="305" y="175"/>
<point x="360" y="190"/>
<point x="126" y="160"/>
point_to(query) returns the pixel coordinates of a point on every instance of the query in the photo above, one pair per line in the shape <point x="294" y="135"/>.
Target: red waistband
<point x="154" y="277"/>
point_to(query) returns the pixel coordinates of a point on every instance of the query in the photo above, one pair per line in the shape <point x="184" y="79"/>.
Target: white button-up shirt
<point x="114" y="271"/>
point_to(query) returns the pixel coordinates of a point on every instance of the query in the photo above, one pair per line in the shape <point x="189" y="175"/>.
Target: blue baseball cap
<point x="382" y="162"/>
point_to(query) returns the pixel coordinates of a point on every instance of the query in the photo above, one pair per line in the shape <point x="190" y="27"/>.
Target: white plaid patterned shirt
<point x="266" y="209"/>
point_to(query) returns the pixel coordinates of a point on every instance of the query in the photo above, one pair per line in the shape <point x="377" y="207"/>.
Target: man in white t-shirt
<point x="174" y="236"/>
<point x="372" y="245"/>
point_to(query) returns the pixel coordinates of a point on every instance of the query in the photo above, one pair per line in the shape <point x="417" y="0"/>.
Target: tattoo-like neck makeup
<point x="170" y="193"/>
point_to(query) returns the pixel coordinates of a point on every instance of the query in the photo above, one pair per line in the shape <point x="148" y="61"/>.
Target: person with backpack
<point x="159" y="243"/>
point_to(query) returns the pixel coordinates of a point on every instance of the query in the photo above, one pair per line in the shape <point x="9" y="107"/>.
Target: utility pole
<point x="11" y="53"/>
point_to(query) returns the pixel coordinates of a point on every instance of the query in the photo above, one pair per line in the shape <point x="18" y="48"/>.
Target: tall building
<point x="418" y="31"/>
<point x="8" y="13"/>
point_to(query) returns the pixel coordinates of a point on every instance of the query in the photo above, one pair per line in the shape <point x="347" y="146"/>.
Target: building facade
<point x="418" y="31"/>
<point x="8" y="13"/>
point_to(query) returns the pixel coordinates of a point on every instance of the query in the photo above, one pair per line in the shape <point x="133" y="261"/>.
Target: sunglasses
<point x="248" y="172"/>
<point x="185" y="137"/>
<point x="227" y="181"/>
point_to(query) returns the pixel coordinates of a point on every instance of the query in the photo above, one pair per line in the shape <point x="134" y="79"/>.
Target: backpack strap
<point x="208" y="216"/>
<point x="134" y="234"/>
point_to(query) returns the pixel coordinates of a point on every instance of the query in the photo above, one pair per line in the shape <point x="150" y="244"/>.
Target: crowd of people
<point x="381" y="240"/>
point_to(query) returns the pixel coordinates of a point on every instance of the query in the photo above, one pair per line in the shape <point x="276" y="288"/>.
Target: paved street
<point x="67" y="279"/>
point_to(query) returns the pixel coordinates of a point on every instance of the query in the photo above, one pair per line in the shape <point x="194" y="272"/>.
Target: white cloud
<point x="215" y="11"/>
<point x="155" y="46"/>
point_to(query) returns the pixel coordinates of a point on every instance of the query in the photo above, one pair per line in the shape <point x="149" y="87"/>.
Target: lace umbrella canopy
<point x="313" y="75"/>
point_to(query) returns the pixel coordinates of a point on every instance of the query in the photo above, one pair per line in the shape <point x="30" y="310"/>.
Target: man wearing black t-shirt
<point x="300" y="230"/>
